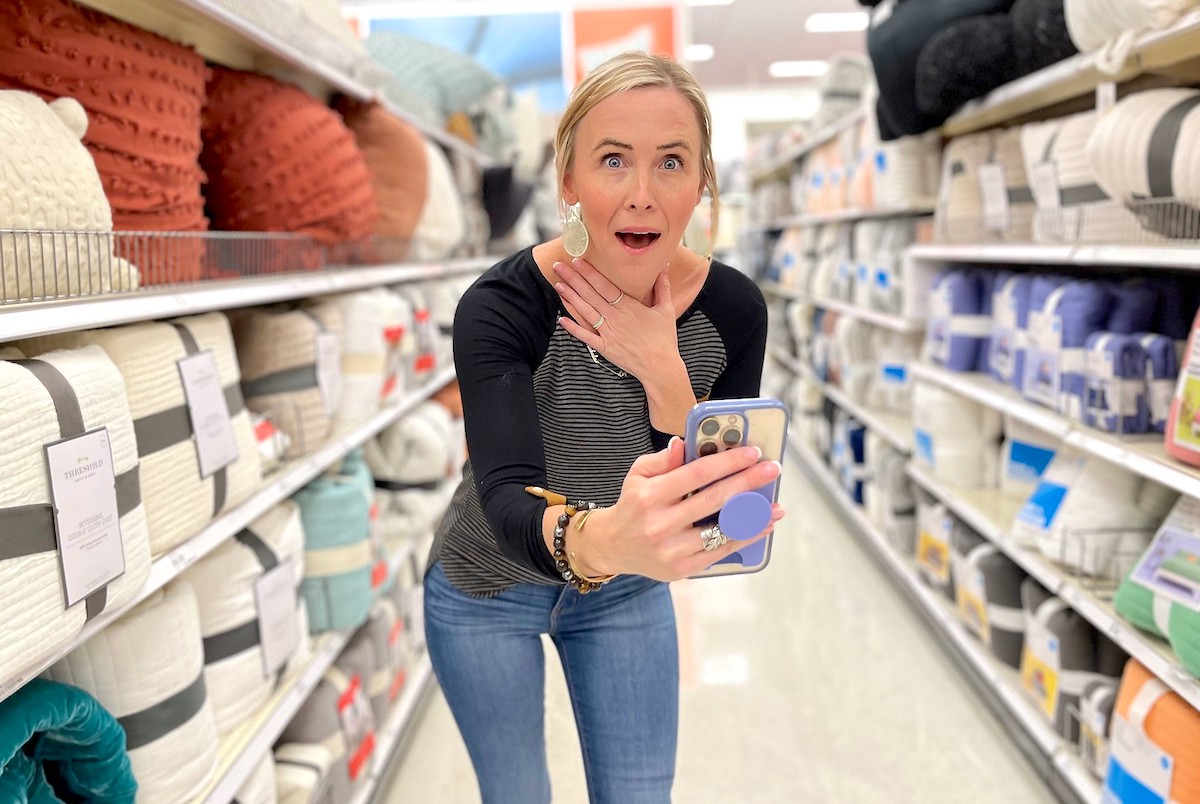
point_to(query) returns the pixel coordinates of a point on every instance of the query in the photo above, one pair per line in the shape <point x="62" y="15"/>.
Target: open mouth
<point x="638" y="240"/>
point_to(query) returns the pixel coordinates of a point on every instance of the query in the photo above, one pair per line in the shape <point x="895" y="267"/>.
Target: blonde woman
<point x="577" y="376"/>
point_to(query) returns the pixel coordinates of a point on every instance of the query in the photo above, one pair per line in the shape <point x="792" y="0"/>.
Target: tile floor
<point x="814" y="681"/>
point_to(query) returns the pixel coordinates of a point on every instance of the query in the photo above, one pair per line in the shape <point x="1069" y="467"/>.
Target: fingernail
<point x="560" y="287"/>
<point x="577" y="262"/>
<point x="673" y="441"/>
<point x="756" y="451"/>
<point x="774" y="469"/>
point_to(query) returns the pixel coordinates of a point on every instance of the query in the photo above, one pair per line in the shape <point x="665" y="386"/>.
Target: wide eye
<point x="673" y="163"/>
<point x="612" y="161"/>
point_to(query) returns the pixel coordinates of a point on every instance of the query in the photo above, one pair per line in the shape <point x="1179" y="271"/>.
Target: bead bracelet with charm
<point x="564" y="560"/>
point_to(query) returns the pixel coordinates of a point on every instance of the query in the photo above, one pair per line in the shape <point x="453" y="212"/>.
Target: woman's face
<point x="636" y="176"/>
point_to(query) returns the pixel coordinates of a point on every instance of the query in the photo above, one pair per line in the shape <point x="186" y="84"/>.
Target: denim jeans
<point x="621" y="660"/>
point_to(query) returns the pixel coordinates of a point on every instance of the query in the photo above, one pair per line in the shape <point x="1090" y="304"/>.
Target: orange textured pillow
<point x="143" y="95"/>
<point x="395" y="155"/>
<point x="278" y="160"/>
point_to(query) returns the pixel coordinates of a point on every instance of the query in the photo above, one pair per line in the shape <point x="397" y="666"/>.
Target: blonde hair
<point x="633" y="70"/>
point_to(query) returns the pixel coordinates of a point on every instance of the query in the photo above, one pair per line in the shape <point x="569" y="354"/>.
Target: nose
<point x="641" y="193"/>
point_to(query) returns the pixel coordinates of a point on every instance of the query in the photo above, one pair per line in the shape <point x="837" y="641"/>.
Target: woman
<point x="573" y="373"/>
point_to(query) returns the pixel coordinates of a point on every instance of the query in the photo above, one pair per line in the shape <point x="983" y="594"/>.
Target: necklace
<point x="619" y="373"/>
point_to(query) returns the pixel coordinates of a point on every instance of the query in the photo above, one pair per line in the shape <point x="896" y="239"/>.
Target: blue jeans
<point x="621" y="660"/>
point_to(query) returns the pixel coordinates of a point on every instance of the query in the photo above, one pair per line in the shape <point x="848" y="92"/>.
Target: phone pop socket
<point x="745" y="515"/>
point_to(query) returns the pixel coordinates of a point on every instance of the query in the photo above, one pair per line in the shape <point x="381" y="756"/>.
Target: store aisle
<point x="814" y="681"/>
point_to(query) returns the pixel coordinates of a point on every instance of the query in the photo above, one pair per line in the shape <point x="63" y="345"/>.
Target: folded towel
<point x="283" y="368"/>
<point x="987" y="586"/>
<point x="1010" y="325"/>
<point x="57" y="743"/>
<point x="954" y="437"/>
<point x="960" y="319"/>
<point x="179" y="501"/>
<point x="224" y="582"/>
<point x="1115" y="394"/>
<point x="338" y="557"/>
<point x="260" y="787"/>
<point x="303" y="773"/>
<point x="1154" y="714"/>
<point x="59" y="395"/>
<point x="1061" y="318"/>
<point x="1024" y="456"/>
<point x="1182" y="439"/>
<point x="147" y="669"/>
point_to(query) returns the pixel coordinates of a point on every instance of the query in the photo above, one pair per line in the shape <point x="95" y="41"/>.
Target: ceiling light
<point x="708" y="2"/>
<point x="698" y="52"/>
<point x="798" y="69"/>
<point x="837" y="22"/>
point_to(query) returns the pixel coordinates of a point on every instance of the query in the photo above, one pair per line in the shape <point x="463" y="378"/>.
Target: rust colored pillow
<point x="395" y="155"/>
<point x="143" y="95"/>
<point x="278" y="160"/>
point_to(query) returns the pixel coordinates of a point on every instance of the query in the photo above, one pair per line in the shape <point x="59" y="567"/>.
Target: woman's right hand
<point x="650" y="531"/>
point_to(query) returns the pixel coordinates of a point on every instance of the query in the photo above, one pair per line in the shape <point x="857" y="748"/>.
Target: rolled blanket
<point x="856" y="360"/>
<point x="1141" y="152"/>
<point x="442" y="227"/>
<point x="147" y="669"/>
<point x="373" y="324"/>
<point x="260" y="787"/>
<point x="888" y="283"/>
<point x="179" y="500"/>
<point x="52" y="184"/>
<point x="868" y="238"/>
<point x="425" y="330"/>
<point x="1059" y="658"/>
<point x="799" y="319"/>
<point x="1148" y="712"/>
<point x="842" y="88"/>
<point x="1010" y="325"/>
<point x="1095" y="722"/>
<point x="338" y="558"/>
<point x="57" y="743"/>
<point x="1115" y="394"/>
<point x="1183" y="427"/>
<point x="960" y="321"/>
<point x="1015" y="223"/>
<point x="959" y="215"/>
<point x="1061" y="317"/>
<point x="143" y="95"/>
<point x="60" y="395"/>
<point x="889" y="498"/>
<point x="825" y="271"/>
<point x="369" y="655"/>
<point x="891" y="383"/>
<point x="1135" y="306"/>
<point x="303" y="773"/>
<point x="1111" y="25"/>
<point x="279" y="160"/>
<point x="1089" y="514"/>
<point x="987" y="586"/>
<point x="1024" y="456"/>
<point x="1162" y="371"/>
<point x="321" y="723"/>
<point x="906" y="171"/>
<point x="954" y="437"/>
<point x="230" y="622"/>
<point x="935" y="534"/>
<point x="287" y="371"/>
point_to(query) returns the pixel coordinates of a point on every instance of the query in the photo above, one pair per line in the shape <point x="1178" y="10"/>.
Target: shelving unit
<point x="1000" y="680"/>
<point x="1141" y="454"/>
<point x="1174" y="257"/>
<point x="895" y="428"/>
<point x="279" y="487"/>
<point x="843" y="216"/>
<point x="991" y="513"/>
<point x="890" y="321"/>
<point x="28" y="320"/>
<point x="781" y="164"/>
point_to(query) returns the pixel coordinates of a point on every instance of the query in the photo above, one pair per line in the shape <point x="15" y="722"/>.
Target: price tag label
<point x="1106" y="96"/>
<point x="84" y="494"/>
<point x="993" y="187"/>
<point x="275" y="602"/>
<point x="933" y="546"/>
<point x="1045" y="186"/>
<point x="358" y="725"/>
<point x="216" y="445"/>
<point x="329" y="371"/>
<point x="1041" y="665"/>
<point x="970" y="595"/>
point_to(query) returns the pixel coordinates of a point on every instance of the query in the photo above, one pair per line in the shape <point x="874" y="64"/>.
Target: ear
<point x="568" y="190"/>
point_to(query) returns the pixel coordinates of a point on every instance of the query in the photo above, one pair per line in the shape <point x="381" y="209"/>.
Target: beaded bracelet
<point x="563" y="560"/>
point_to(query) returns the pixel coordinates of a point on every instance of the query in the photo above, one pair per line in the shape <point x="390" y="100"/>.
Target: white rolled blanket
<point x="302" y="773"/>
<point x="147" y="669"/>
<point x="372" y="326"/>
<point x="260" y="787"/>
<point x="955" y="437"/>
<point x="59" y="395"/>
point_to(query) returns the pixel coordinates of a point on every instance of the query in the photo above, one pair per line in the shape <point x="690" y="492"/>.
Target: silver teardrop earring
<point x="575" y="234"/>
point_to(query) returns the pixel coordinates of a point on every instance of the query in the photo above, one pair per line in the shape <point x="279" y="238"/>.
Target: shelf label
<point x="329" y="371"/>
<point x="924" y="444"/>
<point x="893" y="373"/>
<point x="358" y="725"/>
<point x="993" y="188"/>
<point x="933" y="544"/>
<point x="1042" y="507"/>
<point x="1044" y="182"/>
<point x="970" y="593"/>
<point x="1042" y="376"/>
<point x="1170" y="568"/>
<point x="1106" y="96"/>
<point x="84" y="495"/>
<point x="1041" y="664"/>
<point x="275" y="601"/>
<point x="1139" y="771"/>
<point x="1027" y="462"/>
<point x="216" y="445"/>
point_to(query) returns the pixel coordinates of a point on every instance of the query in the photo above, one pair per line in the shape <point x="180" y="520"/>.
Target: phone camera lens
<point x="708" y="447"/>
<point x="710" y="427"/>
<point x="732" y="437"/>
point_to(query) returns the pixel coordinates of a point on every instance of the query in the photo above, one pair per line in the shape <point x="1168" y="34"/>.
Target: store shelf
<point x="781" y="164"/>
<point x="1132" y="255"/>
<point x="843" y="216"/>
<point x="392" y="733"/>
<point x="895" y="428"/>
<point x="1079" y="75"/>
<point x="1000" y="679"/>
<point x="774" y="289"/>
<point x="991" y="513"/>
<point x="30" y="320"/>
<point x="278" y="487"/>
<point x="880" y="319"/>
<point x="1141" y="454"/>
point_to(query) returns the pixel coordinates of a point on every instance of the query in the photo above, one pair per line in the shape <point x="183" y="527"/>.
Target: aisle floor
<point x="813" y="681"/>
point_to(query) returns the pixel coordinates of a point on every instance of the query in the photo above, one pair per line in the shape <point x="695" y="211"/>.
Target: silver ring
<point x="617" y="300"/>
<point x="711" y="538"/>
<point x="599" y="323"/>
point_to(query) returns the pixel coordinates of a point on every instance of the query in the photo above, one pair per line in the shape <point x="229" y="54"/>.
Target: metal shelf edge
<point x="1131" y="255"/>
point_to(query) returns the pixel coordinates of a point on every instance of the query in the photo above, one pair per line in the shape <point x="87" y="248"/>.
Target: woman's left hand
<point x="639" y="339"/>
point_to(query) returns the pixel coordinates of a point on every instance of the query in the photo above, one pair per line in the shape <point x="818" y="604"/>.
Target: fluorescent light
<point x="698" y="52"/>
<point x="837" y="22"/>
<point x="798" y="69"/>
<point x="708" y="2"/>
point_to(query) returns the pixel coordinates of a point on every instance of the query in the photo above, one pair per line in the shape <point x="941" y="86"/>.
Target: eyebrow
<point x="609" y="142"/>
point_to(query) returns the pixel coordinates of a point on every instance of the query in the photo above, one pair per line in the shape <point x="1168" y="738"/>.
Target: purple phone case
<point x="756" y="556"/>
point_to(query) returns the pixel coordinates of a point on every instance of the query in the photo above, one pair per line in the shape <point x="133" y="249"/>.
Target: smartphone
<point x="718" y="425"/>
